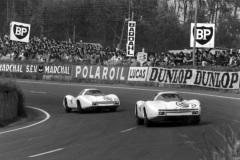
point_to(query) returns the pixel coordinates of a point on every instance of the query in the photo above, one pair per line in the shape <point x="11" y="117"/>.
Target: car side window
<point x="88" y="93"/>
<point x="81" y="92"/>
<point x="159" y="97"/>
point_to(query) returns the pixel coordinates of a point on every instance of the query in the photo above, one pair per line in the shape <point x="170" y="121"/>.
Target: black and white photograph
<point x="120" y="80"/>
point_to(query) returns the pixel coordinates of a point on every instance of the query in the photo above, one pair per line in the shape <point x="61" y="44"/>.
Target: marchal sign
<point x="205" y="35"/>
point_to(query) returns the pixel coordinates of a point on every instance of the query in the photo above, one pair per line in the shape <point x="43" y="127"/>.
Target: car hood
<point x="170" y="105"/>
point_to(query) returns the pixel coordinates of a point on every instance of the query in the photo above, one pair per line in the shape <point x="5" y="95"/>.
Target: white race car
<point x="168" y="106"/>
<point x="91" y="99"/>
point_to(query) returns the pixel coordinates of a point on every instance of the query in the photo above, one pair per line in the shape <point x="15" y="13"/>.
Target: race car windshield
<point x="169" y="97"/>
<point x="94" y="92"/>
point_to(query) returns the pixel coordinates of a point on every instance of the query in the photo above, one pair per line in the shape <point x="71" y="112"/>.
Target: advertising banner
<point x="142" y="57"/>
<point x="57" y="70"/>
<point x="13" y="68"/>
<point x="101" y="72"/>
<point x="211" y="79"/>
<point x="137" y="73"/>
<point x="36" y="68"/>
<point x="19" y="31"/>
<point x="205" y="35"/>
<point x="131" y="38"/>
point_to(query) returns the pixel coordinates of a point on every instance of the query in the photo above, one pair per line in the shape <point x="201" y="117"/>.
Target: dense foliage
<point x="8" y="86"/>
<point x="161" y="24"/>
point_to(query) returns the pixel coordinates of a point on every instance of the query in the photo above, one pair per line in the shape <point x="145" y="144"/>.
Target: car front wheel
<point x="67" y="109"/>
<point x="113" y="109"/>
<point x="139" y="120"/>
<point x="79" y="107"/>
<point x="146" y="120"/>
<point x="195" y="120"/>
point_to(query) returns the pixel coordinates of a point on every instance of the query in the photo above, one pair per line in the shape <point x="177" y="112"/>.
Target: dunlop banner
<point x="36" y="68"/>
<point x="137" y="73"/>
<point x="101" y="72"/>
<point x="211" y="79"/>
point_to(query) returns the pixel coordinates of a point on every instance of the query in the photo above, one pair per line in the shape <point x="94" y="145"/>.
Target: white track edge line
<point x="38" y="92"/>
<point x="47" y="117"/>
<point x="140" y="89"/>
<point x="128" y="129"/>
<point x="40" y="154"/>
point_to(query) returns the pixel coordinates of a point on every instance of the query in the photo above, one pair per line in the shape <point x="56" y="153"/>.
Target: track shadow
<point x="178" y="124"/>
<point x="98" y="111"/>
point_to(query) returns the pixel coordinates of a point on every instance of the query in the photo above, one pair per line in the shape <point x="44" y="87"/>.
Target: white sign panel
<point x="131" y="38"/>
<point x="137" y="73"/>
<point x="205" y="35"/>
<point x="142" y="57"/>
<point x="19" y="31"/>
<point x="210" y="79"/>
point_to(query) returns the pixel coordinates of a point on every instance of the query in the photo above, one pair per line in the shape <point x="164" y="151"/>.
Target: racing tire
<point x="139" y="120"/>
<point x="79" y="107"/>
<point x="67" y="109"/>
<point x="195" y="120"/>
<point x="147" y="122"/>
<point x="113" y="109"/>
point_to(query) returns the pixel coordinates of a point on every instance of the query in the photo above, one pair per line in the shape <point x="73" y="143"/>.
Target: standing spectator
<point x="233" y="60"/>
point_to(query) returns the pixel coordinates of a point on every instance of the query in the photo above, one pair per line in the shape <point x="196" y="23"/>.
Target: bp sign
<point x="205" y="35"/>
<point x="19" y="31"/>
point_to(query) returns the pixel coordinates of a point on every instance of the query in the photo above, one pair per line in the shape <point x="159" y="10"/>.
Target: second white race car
<point x="91" y="99"/>
<point x="168" y="106"/>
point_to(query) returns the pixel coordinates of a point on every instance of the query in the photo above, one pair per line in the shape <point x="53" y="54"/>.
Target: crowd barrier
<point x="159" y="76"/>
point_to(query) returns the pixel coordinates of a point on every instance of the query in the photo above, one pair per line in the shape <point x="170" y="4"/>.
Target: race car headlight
<point x="194" y="112"/>
<point x="115" y="99"/>
<point x="94" y="103"/>
<point x="161" y="113"/>
<point x="193" y="105"/>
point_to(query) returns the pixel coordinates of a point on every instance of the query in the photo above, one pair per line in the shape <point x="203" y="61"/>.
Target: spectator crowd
<point x="47" y="51"/>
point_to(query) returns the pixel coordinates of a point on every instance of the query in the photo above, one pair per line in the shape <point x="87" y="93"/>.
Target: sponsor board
<point x="100" y="72"/>
<point x="205" y="35"/>
<point x="214" y="79"/>
<point x="142" y="57"/>
<point x="131" y="38"/>
<point x="137" y="73"/>
<point x="59" y="70"/>
<point x="211" y="79"/>
<point x="19" y="31"/>
<point x="31" y="68"/>
<point x="39" y="68"/>
<point x="13" y="68"/>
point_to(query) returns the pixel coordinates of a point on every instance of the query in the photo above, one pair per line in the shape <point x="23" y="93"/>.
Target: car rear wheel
<point x="67" y="109"/>
<point x="146" y="120"/>
<point x="139" y="120"/>
<point x="79" y="107"/>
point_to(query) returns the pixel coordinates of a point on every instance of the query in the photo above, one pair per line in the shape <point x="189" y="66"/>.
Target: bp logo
<point x="204" y="34"/>
<point x="20" y="31"/>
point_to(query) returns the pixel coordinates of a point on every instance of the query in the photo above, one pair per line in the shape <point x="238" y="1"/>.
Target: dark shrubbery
<point x="12" y="106"/>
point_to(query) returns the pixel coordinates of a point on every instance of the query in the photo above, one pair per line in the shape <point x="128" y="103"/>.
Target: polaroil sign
<point x="101" y="72"/>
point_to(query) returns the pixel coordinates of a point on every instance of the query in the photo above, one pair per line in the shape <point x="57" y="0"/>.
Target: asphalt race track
<point x="110" y="135"/>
